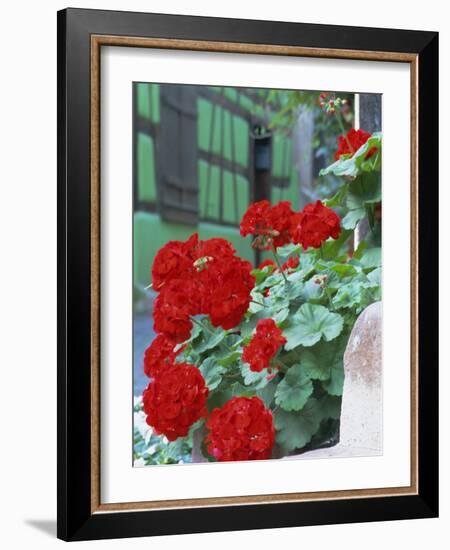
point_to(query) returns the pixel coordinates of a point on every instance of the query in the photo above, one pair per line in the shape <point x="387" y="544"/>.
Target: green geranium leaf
<point x="175" y="449"/>
<point x="353" y="217"/>
<point x="357" y="163"/>
<point x="257" y="380"/>
<point x="211" y="338"/>
<point x="371" y="257"/>
<point x="364" y="190"/>
<point x="344" y="270"/>
<point x="258" y="303"/>
<point x="335" y="385"/>
<point x="212" y="372"/>
<point x="355" y="294"/>
<point x="310" y="324"/>
<point x="332" y="247"/>
<point x="295" y="429"/>
<point x="195" y="332"/>
<point x="229" y="358"/>
<point x="273" y="280"/>
<point x="325" y="362"/>
<point x="294" y="390"/>
<point x="281" y="315"/>
<point x="288" y="249"/>
<point x="261" y="274"/>
<point x="268" y="393"/>
<point x="217" y="399"/>
<point x="342" y="167"/>
<point x="237" y="389"/>
<point x="375" y="276"/>
<point x="330" y="407"/>
<point x="310" y="291"/>
<point x="360" y="155"/>
<point x="337" y="198"/>
<point x="357" y="254"/>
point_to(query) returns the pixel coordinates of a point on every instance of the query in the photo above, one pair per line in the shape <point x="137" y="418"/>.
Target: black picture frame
<point x="76" y="521"/>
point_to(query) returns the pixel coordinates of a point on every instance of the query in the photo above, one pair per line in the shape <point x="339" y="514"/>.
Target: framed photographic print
<point x="247" y="278"/>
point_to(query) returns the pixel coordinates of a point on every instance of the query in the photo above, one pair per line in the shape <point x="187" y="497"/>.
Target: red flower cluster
<point x="278" y="225"/>
<point x="159" y="354"/>
<point x="171" y="310"/>
<point x="269" y="224"/>
<point x="199" y="277"/>
<point x="175" y="401"/>
<point x="241" y="430"/>
<point x="263" y="346"/>
<point x="171" y="260"/>
<point x="226" y="286"/>
<point x="314" y="225"/>
<point x="349" y="144"/>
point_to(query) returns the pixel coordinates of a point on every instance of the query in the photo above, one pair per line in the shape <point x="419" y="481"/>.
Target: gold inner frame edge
<point x="97" y="41"/>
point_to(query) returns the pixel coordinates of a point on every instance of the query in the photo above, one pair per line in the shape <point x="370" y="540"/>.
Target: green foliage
<point x="360" y="189"/>
<point x="311" y="323"/>
<point x="320" y="361"/>
<point x="212" y="372"/>
<point x="211" y="339"/>
<point x="357" y="163"/>
<point x="257" y="380"/>
<point x="295" y="429"/>
<point x="294" y="390"/>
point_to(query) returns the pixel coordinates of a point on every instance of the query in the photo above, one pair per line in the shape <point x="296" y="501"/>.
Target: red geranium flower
<point x="356" y="139"/>
<point x="159" y="354"/>
<point x="173" y="260"/>
<point x="280" y="220"/>
<point x="175" y="400"/>
<point x="292" y="263"/>
<point x="254" y="221"/>
<point x="226" y="287"/>
<point x="269" y="224"/>
<point x="264" y="345"/>
<point x="241" y="430"/>
<point x="172" y="309"/>
<point x="314" y="224"/>
<point x="178" y="259"/>
<point x="212" y="249"/>
<point x="199" y="277"/>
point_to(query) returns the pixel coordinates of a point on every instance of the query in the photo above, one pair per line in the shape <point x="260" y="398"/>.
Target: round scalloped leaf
<point x="294" y="390"/>
<point x="310" y="324"/>
<point x="295" y="429"/>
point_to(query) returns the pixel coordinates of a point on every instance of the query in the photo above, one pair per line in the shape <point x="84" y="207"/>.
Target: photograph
<point x="257" y="274"/>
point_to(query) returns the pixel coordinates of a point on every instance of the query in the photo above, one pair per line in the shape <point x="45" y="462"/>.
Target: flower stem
<point x="277" y="261"/>
<point x="257" y="303"/>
